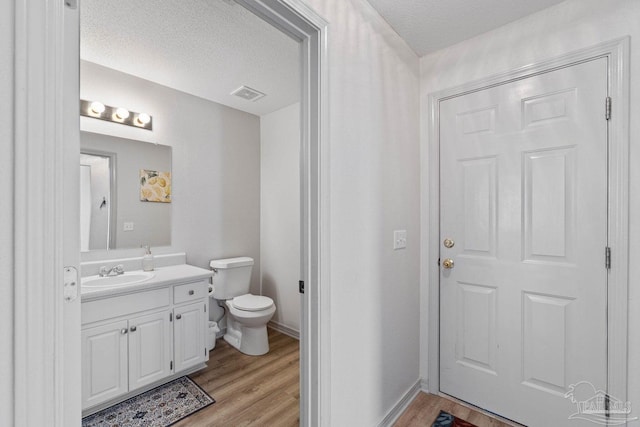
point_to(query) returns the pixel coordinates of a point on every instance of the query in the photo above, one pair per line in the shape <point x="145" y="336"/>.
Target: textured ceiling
<point x="207" y="48"/>
<point x="429" y="25"/>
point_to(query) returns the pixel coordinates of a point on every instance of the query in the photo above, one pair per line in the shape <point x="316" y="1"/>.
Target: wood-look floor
<point x="264" y="391"/>
<point x="425" y="408"/>
<point x="250" y="390"/>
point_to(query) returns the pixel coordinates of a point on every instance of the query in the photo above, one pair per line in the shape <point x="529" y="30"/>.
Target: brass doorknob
<point x="447" y="263"/>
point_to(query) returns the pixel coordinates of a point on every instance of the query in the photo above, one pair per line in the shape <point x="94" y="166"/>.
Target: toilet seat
<point x="249" y="302"/>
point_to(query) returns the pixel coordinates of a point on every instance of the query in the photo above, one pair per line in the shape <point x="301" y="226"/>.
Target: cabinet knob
<point x="133" y="329"/>
<point x="123" y="331"/>
<point x="191" y="292"/>
<point x="178" y="316"/>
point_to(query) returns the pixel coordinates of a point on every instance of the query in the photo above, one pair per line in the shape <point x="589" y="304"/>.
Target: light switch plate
<point x="128" y="226"/>
<point x="399" y="239"/>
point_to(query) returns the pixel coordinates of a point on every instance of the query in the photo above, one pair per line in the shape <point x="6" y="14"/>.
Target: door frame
<point x="113" y="192"/>
<point x="300" y="22"/>
<point x="44" y="232"/>
<point x="617" y="52"/>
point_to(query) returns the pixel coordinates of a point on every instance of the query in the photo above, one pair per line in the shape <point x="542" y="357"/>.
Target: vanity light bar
<point x="98" y="110"/>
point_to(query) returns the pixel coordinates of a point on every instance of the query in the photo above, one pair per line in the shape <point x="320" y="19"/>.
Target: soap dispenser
<point x="147" y="260"/>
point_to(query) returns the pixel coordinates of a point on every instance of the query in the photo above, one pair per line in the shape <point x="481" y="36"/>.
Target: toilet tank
<point x="231" y="277"/>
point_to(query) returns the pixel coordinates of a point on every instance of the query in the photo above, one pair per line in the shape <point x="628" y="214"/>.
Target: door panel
<point x="480" y="188"/>
<point x="477" y="327"/>
<point x="544" y="342"/>
<point x="149" y="349"/>
<point x="189" y="336"/>
<point x="524" y="197"/>
<point x="549" y="204"/>
<point x="104" y="363"/>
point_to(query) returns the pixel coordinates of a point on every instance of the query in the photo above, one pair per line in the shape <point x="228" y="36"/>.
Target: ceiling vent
<point x="245" y="92"/>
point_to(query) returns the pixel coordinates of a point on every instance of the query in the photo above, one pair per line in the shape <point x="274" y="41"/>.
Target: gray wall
<point x="216" y="163"/>
<point x="280" y="212"/>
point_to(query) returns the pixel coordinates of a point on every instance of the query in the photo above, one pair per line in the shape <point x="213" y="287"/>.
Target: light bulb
<point x="143" y="119"/>
<point x="122" y="113"/>
<point x="97" y="107"/>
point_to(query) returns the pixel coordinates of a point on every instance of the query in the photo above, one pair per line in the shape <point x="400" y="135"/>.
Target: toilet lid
<point x="250" y="302"/>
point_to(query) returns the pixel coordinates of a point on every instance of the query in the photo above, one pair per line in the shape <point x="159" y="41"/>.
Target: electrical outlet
<point x="399" y="239"/>
<point x="128" y="226"/>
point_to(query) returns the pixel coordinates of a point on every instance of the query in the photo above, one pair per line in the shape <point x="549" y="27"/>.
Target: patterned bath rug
<point x="161" y="407"/>
<point x="445" y="419"/>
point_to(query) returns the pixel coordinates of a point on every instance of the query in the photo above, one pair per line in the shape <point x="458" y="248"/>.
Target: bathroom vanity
<point x="141" y="331"/>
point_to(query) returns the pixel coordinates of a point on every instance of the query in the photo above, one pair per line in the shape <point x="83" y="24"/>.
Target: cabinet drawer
<point x="190" y="292"/>
<point x="121" y="305"/>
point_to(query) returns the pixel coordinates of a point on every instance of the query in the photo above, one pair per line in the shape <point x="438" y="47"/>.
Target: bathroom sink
<point x="130" y="278"/>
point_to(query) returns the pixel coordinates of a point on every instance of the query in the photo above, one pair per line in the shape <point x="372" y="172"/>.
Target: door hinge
<point x="170" y="317"/>
<point x="171" y="365"/>
<point x="71" y="283"/>
<point x="607" y="108"/>
<point x="607" y="258"/>
<point x="72" y="4"/>
<point x="301" y="286"/>
<point x="205" y="351"/>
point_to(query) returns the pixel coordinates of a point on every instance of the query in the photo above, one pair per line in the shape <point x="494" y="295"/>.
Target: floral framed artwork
<point x="155" y="186"/>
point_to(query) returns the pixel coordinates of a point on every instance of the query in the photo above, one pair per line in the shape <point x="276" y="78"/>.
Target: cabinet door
<point x="149" y="349"/>
<point x="189" y="335"/>
<point x="104" y="363"/>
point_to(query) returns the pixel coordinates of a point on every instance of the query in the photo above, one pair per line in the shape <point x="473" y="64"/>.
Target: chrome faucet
<point x="116" y="270"/>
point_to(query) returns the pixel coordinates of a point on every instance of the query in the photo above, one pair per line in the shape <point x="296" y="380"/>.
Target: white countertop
<point x="163" y="276"/>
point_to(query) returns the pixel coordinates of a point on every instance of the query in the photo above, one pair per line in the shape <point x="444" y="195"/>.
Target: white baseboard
<point x="401" y="405"/>
<point x="284" y="329"/>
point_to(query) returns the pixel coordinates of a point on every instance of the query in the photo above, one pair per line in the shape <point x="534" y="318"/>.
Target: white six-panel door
<point x="524" y="199"/>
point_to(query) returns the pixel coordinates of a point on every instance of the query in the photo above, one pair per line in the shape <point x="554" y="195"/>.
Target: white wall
<point x="215" y="165"/>
<point x="374" y="163"/>
<point x="6" y="212"/>
<point x="280" y="212"/>
<point x="569" y="26"/>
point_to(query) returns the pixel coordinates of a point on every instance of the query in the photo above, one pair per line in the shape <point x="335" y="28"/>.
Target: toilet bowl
<point x="247" y="318"/>
<point x="247" y="314"/>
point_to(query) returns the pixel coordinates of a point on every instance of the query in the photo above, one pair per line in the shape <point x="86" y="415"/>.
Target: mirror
<point x="125" y="193"/>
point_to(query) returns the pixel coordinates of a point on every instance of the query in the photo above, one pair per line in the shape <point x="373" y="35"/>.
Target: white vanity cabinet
<point x="150" y="349"/>
<point x="137" y="340"/>
<point x="189" y="327"/>
<point x="104" y="362"/>
<point x="188" y="336"/>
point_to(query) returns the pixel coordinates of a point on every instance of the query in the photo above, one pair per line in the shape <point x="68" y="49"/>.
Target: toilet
<point x="247" y="314"/>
